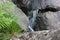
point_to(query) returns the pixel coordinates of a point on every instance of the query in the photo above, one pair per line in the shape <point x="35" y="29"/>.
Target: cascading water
<point x="32" y="20"/>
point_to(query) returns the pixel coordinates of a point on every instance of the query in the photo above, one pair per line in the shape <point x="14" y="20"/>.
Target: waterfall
<point x="32" y="20"/>
<point x="30" y="28"/>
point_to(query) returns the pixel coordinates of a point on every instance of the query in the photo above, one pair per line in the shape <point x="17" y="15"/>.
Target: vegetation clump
<point x="8" y="25"/>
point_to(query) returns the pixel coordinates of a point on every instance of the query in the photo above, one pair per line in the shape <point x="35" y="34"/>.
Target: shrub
<point x="8" y="25"/>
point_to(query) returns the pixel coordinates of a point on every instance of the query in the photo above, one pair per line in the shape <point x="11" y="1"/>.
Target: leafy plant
<point x="8" y="23"/>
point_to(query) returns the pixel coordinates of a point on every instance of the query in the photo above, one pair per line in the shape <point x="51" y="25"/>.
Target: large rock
<point x="39" y="35"/>
<point x="52" y="20"/>
<point x="48" y="20"/>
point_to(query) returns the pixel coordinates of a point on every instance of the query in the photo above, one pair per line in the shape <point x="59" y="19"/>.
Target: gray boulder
<point x="52" y="20"/>
<point x="48" y="20"/>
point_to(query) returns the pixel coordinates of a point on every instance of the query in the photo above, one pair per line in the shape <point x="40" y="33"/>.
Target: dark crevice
<point x="24" y="9"/>
<point x="39" y="26"/>
<point x="48" y="9"/>
<point x="21" y="6"/>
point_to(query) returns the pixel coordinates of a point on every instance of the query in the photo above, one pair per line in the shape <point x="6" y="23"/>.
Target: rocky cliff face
<point x="44" y="15"/>
<point x="47" y="16"/>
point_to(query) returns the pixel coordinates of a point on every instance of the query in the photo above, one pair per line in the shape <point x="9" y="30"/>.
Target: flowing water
<point x="32" y="20"/>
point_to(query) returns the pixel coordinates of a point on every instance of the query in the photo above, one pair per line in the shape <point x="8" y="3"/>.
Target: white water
<point x="32" y="20"/>
<point x="31" y="29"/>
